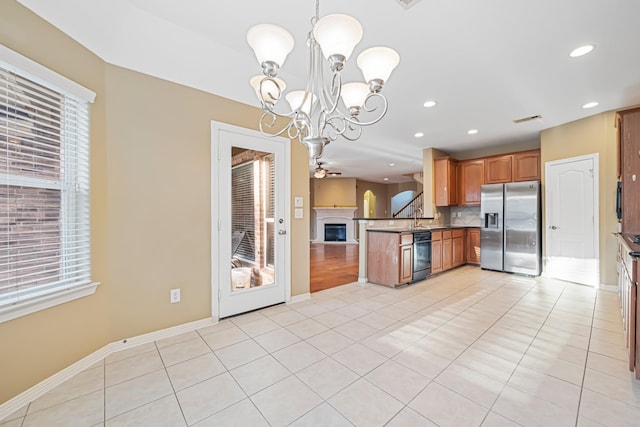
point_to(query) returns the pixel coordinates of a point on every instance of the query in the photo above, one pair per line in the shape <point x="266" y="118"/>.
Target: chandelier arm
<point x="346" y="128"/>
<point x="273" y="118"/>
<point x="385" y="107"/>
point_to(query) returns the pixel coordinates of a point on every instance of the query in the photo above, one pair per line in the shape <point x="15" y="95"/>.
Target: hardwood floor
<point x="333" y="265"/>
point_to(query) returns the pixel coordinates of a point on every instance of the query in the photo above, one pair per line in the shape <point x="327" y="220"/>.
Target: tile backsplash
<point x="465" y="215"/>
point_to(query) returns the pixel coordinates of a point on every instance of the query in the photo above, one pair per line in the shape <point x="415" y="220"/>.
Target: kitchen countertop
<point x="418" y="229"/>
<point x="634" y="248"/>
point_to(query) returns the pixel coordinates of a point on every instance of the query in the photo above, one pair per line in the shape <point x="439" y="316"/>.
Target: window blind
<point x="44" y="188"/>
<point x="243" y="208"/>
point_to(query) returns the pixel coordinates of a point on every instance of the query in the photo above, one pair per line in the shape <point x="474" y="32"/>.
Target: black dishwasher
<point x="421" y="255"/>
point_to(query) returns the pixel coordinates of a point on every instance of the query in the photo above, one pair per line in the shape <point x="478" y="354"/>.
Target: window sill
<point x="13" y="309"/>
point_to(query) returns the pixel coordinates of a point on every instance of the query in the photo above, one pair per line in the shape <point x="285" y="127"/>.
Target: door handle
<point x="281" y="232"/>
<point x="553" y="227"/>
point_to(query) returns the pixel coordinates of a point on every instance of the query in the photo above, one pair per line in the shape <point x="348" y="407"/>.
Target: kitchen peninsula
<point x="397" y="252"/>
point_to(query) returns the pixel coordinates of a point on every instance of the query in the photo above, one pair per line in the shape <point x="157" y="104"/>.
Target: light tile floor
<point x="466" y="348"/>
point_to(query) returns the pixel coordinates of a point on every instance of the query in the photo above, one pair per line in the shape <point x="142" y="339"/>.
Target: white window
<point x="44" y="188"/>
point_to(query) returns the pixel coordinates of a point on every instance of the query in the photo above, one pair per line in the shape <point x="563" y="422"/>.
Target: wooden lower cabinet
<point x="406" y="263"/>
<point x="447" y="254"/>
<point x="457" y="243"/>
<point x="436" y="252"/>
<point x="447" y="249"/>
<point x="389" y="258"/>
<point x="473" y="246"/>
<point x="628" y="276"/>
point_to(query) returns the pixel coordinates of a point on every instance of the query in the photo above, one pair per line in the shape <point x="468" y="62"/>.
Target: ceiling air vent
<point x="527" y="119"/>
<point x="407" y="3"/>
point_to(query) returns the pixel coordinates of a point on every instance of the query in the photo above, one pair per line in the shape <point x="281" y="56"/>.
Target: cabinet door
<point x="526" y="166"/>
<point x="406" y="264"/>
<point x="458" y="251"/>
<point x="471" y="178"/>
<point x="630" y="146"/>
<point x="436" y="256"/>
<point x="382" y="258"/>
<point x="447" y="254"/>
<point x="498" y="169"/>
<point x="445" y="181"/>
<point x="473" y="246"/>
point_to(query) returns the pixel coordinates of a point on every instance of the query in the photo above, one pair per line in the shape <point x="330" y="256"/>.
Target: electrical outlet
<point x="175" y="296"/>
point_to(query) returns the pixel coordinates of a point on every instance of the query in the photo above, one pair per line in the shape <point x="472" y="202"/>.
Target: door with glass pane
<point x="251" y="236"/>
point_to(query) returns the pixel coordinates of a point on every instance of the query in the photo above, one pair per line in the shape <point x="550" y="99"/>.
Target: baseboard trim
<point x="608" y="288"/>
<point x="299" y="298"/>
<point x="48" y="384"/>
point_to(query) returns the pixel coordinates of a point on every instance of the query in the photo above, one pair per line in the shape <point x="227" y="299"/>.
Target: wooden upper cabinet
<point x="446" y="181"/>
<point x="471" y="178"/>
<point x="526" y="166"/>
<point x="498" y="169"/>
<point x="630" y="169"/>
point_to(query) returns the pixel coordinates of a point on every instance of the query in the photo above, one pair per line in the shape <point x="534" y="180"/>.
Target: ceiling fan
<point x="321" y="172"/>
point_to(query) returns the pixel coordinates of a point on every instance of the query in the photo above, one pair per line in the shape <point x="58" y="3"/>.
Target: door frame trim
<point x="216" y="127"/>
<point x="596" y="207"/>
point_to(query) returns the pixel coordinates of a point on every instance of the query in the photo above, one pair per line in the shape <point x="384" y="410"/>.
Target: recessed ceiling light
<point x="392" y="164"/>
<point x="590" y="105"/>
<point x="582" y="50"/>
<point x="386" y="179"/>
<point x="430" y="104"/>
<point x="418" y="134"/>
<point x="472" y="131"/>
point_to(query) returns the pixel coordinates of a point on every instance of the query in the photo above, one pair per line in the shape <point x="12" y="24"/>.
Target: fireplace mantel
<point x="337" y="215"/>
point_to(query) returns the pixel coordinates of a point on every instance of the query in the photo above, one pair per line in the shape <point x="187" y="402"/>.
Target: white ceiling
<point x="485" y="62"/>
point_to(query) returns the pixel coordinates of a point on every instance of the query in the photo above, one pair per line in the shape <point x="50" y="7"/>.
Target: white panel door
<point x="571" y="217"/>
<point x="250" y="244"/>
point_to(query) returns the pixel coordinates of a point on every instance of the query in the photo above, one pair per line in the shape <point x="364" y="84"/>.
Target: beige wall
<point x="39" y="345"/>
<point x="150" y="207"/>
<point x="334" y="191"/>
<point x="382" y="198"/>
<point x="428" y="156"/>
<point x="595" y="134"/>
<point x="498" y="149"/>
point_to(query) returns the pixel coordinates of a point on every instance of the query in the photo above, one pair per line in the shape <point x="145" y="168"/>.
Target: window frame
<point x="30" y="300"/>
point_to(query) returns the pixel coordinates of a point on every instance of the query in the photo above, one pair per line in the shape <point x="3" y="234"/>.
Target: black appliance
<point x="619" y="200"/>
<point x="421" y="255"/>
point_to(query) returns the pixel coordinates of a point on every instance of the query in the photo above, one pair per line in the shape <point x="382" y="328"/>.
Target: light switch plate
<point x="298" y="213"/>
<point x="298" y="202"/>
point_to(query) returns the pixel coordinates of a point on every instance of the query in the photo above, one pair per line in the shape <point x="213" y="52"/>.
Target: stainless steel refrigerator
<point x="510" y="232"/>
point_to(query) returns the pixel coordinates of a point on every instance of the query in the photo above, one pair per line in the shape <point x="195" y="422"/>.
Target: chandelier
<point x="326" y="108"/>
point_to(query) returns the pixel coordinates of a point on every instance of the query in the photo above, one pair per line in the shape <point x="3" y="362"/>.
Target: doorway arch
<point x="369" y="204"/>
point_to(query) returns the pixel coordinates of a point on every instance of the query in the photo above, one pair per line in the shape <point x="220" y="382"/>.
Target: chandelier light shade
<point x="270" y="43"/>
<point x="377" y="63"/>
<point x="299" y="100"/>
<point x="325" y="109"/>
<point x="337" y="35"/>
<point x="354" y="94"/>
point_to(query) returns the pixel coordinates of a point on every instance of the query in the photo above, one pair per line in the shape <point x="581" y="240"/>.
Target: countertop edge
<point x="633" y="248"/>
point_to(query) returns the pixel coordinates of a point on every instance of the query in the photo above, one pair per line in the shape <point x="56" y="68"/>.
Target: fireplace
<point x="335" y="232"/>
<point x="340" y="222"/>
